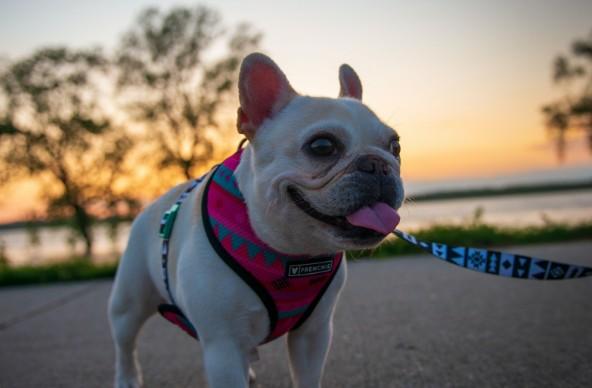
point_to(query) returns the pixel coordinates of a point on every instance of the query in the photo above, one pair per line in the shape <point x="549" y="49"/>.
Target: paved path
<point x="411" y="322"/>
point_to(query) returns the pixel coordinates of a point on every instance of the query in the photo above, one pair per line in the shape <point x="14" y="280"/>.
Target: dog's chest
<point x="289" y="286"/>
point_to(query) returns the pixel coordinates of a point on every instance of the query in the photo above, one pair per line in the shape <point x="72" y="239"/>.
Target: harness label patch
<point x="309" y="269"/>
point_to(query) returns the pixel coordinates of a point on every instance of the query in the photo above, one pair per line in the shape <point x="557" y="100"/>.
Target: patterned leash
<point x="498" y="263"/>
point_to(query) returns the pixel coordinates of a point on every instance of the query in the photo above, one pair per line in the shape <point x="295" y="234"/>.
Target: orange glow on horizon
<point x="486" y="162"/>
<point x="463" y="83"/>
<point x="21" y="199"/>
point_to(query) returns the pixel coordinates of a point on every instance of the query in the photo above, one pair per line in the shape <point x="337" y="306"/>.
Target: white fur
<point x="265" y="170"/>
<point x="230" y="318"/>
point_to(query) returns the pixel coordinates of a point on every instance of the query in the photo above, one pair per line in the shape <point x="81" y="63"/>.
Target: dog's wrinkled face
<point x="320" y="174"/>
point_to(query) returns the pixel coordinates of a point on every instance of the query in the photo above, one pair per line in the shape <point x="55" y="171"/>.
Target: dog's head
<point x="320" y="174"/>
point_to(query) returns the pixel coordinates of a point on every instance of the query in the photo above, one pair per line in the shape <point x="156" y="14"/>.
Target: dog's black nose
<point x="372" y="165"/>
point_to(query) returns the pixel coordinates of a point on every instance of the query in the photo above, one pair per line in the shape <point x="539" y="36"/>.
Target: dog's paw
<point x="128" y="383"/>
<point x="252" y="377"/>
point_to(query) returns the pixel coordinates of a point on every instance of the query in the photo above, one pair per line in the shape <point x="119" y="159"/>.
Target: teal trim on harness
<point x="170" y="311"/>
<point x="166" y="227"/>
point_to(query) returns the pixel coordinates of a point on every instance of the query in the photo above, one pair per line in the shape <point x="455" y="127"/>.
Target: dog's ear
<point x="349" y="82"/>
<point x="263" y="91"/>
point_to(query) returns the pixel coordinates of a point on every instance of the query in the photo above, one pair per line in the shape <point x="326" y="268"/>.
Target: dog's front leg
<point x="309" y="344"/>
<point x="308" y="348"/>
<point x="226" y="364"/>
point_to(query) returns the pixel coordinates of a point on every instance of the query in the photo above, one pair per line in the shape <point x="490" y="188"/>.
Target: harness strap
<point x="498" y="263"/>
<point x="166" y="229"/>
<point x="289" y="286"/>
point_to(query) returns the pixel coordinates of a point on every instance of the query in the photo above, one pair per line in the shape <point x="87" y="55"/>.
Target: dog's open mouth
<point x="362" y="224"/>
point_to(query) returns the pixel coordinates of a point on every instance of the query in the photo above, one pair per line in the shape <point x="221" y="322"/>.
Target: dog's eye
<point x="395" y="148"/>
<point x="322" y="146"/>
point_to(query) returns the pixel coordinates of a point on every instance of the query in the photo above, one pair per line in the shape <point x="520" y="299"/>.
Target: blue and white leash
<point x="498" y="263"/>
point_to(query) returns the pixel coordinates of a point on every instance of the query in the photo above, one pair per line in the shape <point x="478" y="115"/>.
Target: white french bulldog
<point x="318" y="176"/>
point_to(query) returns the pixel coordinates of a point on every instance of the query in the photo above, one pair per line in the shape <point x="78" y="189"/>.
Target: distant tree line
<point x="100" y="130"/>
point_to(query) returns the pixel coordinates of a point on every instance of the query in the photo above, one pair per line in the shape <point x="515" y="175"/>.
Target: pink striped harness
<point x="289" y="286"/>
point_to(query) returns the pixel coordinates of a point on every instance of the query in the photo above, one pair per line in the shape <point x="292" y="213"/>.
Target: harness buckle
<point x="168" y="220"/>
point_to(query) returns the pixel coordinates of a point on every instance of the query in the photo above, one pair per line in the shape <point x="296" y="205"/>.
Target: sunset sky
<point x="462" y="81"/>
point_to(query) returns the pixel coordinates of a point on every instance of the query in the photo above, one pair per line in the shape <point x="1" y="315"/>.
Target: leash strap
<point x="498" y="263"/>
<point x="166" y="229"/>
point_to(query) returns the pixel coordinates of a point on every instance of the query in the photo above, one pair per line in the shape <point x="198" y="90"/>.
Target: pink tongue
<point x="379" y="217"/>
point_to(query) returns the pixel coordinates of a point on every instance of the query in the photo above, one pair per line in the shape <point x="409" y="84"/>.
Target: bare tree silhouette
<point x="177" y="71"/>
<point x="573" y="112"/>
<point x="53" y="127"/>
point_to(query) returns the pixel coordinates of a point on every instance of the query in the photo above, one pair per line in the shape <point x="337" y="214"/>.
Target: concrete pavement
<point x="409" y="322"/>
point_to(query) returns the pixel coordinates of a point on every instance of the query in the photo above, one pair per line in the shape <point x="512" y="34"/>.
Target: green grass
<point x="473" y="233"/>
<point x="484" y="235"/>
<point x="70" y="270"/>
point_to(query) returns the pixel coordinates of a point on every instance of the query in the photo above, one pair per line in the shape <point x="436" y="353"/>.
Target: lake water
<point x="530" y="209"/>
<point x="515" y="210"/>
